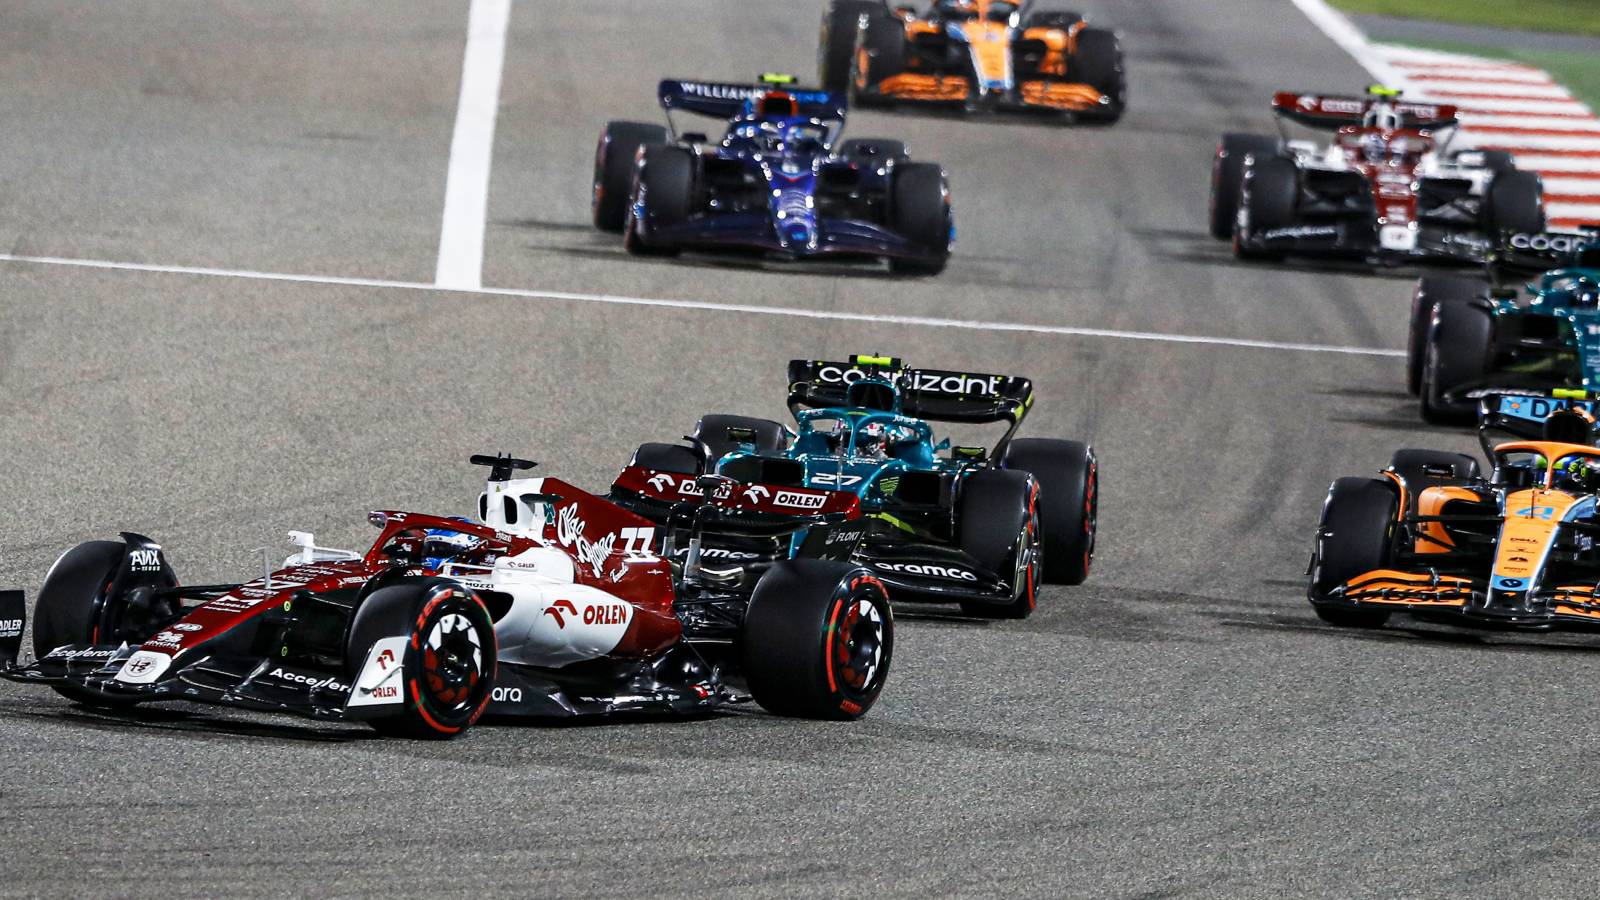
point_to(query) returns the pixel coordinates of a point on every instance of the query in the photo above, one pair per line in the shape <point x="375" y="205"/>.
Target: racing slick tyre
<point x="882" y="54"/>
<point x="674" y="458"/>
<point x="665" y="181"/>
<point x="836" y="45"/>
<point x="1431" y="291"/>
<point x="713" y="429"/>
<point x="874" y="152"/>
<point x="1069" y="503"/>
<point x="1515" y="202"/>
<point x="997" y="523"/>
<point x="1421" y="468"/>
<point x="816" y="639"/>
<point x="1097" y="62"/>
<point x="613" y="169"/>
<point x="449" y="663"/>
<point x="1456" y="353"/>
<point x="1354" y="538"/>
<point x="1270" y="195"/>
<point x="1051" y="14"/>
<point x="73" y="607"/>
<point x="919" y="211"/>
<point x="1498" y="161"/>
<point x="1227" y="177"/>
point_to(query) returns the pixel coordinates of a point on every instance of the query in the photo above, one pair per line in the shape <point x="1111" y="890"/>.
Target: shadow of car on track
<point x="180" y="721"/>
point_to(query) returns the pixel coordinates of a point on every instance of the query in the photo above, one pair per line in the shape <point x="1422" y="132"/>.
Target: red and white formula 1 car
<point x="553" y="602"/>
<point x="1385" y="188"/>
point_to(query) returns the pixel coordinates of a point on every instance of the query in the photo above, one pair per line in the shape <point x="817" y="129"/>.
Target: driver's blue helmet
<point x="443" y="545"/>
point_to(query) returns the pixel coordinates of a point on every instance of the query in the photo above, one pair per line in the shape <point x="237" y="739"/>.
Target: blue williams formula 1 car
<point x="778" y="183"/>
<point x="945" y="523"/>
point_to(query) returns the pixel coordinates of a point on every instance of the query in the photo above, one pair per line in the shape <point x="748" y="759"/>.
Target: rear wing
<point x="1332" y="113"/>
<point x="724" y="100"/>
<point x="939" y="395"/>
<point x="1518" y="255"/>
<point x="1522" y="413"/>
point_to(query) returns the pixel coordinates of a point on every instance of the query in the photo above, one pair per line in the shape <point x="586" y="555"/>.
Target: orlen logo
<point x="605" y="614"/>
<point x="386" y="692"/>
<point x="927" y="569"/>
<point x="799" y="500"/>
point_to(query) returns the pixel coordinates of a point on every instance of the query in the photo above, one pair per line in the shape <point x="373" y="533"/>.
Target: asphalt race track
<point x="1180" y="725"/>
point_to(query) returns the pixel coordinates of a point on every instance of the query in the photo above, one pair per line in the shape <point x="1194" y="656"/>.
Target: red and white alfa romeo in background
<point x="1385" y="187"/>
<point x="553" y="602"/>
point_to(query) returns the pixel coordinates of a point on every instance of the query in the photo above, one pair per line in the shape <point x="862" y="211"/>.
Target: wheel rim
<point x="859" y="645"/>
<point x="1025" y="578"/>
<point x="452" y="662"/>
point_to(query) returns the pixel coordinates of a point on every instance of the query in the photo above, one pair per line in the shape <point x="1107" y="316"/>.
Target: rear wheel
<point x="836" y="45"/>
<point x="1227" y="177"/>
<point x="1270" y="196"/>
<point x="770" y="436"/>
<point x="1456" y="353"/>
<point x="817" y="639"/>
<point x="1515" y="202"/>
<point x="81" y="603"/>
<point x="613" y="170"/>
<point x="1431" y="291"/>
<point x="1354" y="538"/>
<point x="1420" y="469"/>
<point x="665" y="185"/>
<point x="449" y="663"/>
<point x="997" y="524"/>
<point x="674" y="458"/>
<point x="1069" y="502"/>
<point x="1097" y="62"/>
<point x="919" y="211"/>
<point x="1051" y="14"/>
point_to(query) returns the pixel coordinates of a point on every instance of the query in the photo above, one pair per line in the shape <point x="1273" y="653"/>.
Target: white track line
<point x="748" y="309"/>
<point x="1341" y="31"/>
<point x="466" y="190"/>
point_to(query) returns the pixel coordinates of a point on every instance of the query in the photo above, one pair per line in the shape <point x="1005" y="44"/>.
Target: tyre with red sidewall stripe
<point x="817" y="639"/>
<point x="1069" y="502"/>
<point x="997" y="525"/>
<point x="450" y="657"/>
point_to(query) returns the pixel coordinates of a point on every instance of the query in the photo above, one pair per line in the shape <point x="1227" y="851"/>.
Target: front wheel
<point x="816" y="640"/>
<point x="663" y="195"/>
<point x="448" y="663"/>
<point x="1355" y="537"/>
<point x="86" y="599"/>
<point x="919" y="211"/>
<point x="1098" y="63"/>
<point x="997" y="524"/>
<point x="613" y="170"/>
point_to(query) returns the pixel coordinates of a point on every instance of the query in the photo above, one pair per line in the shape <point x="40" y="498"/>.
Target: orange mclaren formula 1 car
<point x="977" y="54"/>
<point x="1435" y="538"/>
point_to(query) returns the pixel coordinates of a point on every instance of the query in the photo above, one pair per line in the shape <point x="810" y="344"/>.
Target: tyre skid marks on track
<point x="708" y="306"/>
